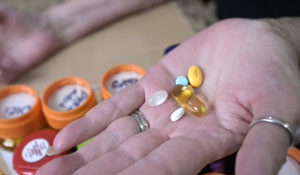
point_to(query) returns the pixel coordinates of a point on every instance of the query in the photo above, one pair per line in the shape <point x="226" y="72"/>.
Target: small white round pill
<point x="157" y="98"/>
<point x="177" y="114"/>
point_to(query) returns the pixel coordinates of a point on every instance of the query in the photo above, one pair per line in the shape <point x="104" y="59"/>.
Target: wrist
<point x="288" y="28"/>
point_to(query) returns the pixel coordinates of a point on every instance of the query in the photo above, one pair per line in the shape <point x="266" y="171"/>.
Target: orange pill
<point x="195" y="76"/>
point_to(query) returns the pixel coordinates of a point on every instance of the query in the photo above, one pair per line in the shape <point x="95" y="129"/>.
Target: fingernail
<point x="51" y="151"/>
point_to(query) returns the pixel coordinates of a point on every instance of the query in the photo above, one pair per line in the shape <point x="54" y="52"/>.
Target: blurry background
<point x="200" y="13"/>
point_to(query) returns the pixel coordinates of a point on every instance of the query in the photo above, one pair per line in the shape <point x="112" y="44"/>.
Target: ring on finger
<point x="140" y="119"/>
<point x="285" y="125"/>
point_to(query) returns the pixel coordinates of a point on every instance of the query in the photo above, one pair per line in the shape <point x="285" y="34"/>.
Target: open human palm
<point x="250" y="71"/>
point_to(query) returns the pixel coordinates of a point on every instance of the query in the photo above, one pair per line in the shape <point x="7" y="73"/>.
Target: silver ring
<point x="283" y="124"/>
<point x="140" y="119"/>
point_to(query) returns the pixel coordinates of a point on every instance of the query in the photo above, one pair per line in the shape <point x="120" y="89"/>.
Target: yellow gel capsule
<point x="195" y="76"/>
<point x="186" y="97"/>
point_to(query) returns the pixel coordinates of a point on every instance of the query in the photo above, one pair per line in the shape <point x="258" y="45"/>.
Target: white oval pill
<point x="177" y="114"/>
<point x="157" y="98"/>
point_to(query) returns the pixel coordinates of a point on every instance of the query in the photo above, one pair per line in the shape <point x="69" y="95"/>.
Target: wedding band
<point x="140" y="119"/>
<point x="278" y="122"/>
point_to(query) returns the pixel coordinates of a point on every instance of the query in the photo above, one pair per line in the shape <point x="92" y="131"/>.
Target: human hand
<point x="250" y="71"/>
<point x="25" y="40"/>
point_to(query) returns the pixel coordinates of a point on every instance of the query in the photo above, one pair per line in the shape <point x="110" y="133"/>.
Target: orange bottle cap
<point x="294" y="153"/>
<point x="119" y="77"/>
<point x="66" y="100"/>
<point x="20" y="111"/>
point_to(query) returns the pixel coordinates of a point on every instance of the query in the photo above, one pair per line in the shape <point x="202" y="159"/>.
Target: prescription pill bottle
<point x="30" y="154"/>
<point x="119" y="77"/>
<point x="66" y="100"/>
<point x="20" y="114"/>
<point x="292" y="164"/>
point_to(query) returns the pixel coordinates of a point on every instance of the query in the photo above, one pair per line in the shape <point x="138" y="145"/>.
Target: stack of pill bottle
<point x="66" y="100"/>
<point x="20" y="114"/>
<point x="118" y="78"/>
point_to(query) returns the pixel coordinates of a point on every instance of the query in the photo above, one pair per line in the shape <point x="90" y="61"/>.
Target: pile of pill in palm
<point x="184" y="94"/>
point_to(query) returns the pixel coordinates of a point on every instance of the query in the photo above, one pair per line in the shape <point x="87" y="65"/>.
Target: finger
<point x="119" y="131"/>
<point x="62" y="165"/>
<point x="179" y="155"/>
<point x="129" y="152"/>
<point x="120" y="104"/>
<point x="263" y="150"/>
<point x="116" y="133"/>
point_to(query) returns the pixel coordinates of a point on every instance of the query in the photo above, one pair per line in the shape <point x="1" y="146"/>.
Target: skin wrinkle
<point x="120" y="137"/>
<point x="154" y="133"/>
<point x="247" y="110"/>
<point x="61" y="146"/>
<point x="133" y="158"/>
<point x="167" y="169"/>
<point x="116" y="151"/>
<point x="238" y="134"/>
<point x="199" y="144"/>
<point x="84" y="161"/>
<point x="124" y="153"/>
<point x="117" y="108"/>
<point x="221" y="142"/>
<point x="181" y="131"/>
<point x="159" y="161"/>
<point x="215" y="147"/>
<point x="78" y="157"/>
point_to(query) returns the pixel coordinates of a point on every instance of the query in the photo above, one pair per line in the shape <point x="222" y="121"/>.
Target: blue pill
<point x="181" y="80"/>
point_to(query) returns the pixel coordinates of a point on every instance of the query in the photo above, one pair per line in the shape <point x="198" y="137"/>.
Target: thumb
<point x="264" y="149"/>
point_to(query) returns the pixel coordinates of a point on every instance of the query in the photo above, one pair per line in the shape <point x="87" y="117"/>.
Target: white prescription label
<point x="15" y="105"/>
<point x="35" y="150"/>
<point x="68" y="97"/>
<point x="121" y="80"/>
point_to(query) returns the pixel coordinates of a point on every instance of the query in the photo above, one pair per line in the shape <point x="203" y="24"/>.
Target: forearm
<point x="76" y="18"/>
